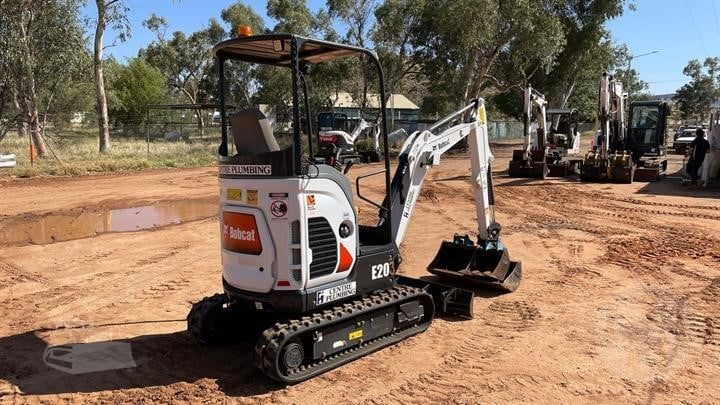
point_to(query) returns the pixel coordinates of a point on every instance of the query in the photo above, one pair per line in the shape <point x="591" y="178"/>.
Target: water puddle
<point x="71" y="225"/>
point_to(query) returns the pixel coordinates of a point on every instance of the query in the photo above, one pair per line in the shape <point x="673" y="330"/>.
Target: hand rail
<point x="357" y="187"/>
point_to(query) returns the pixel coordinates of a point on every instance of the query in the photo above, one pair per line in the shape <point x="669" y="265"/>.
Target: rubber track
<point x="198" y="318"/>
<point x="272" y="341"/>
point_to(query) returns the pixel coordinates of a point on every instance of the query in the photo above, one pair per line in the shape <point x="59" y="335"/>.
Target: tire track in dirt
<point x="107" y="289"/>
<point x="461" y="369"/>
<point x="636" y="201"/>
<point x="11" y="275"/>
<point x="649" y="250"/>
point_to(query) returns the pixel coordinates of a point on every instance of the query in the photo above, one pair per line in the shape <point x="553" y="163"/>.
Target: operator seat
<point x="252" y="133"/>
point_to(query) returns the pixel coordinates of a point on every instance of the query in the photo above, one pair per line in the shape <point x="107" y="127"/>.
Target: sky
<point x="679" y="30"/>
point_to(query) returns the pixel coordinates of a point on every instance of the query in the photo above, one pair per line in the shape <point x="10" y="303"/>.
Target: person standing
<point x="696" y="155"/>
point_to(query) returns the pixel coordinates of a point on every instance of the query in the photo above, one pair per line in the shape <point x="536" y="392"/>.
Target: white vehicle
<point x="608" y="161"/>
<point x="317" y="286"/>
<point x="339" y="145"/>
<point x="681" y="143"/>
<point x="530" y="160"/>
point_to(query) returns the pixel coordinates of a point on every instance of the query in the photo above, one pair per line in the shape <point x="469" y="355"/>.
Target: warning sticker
<point x="234" y="194"/>
<point x="252" y="197"/>
<point x="310" y="201"/>
<point x="357" y="334"/>
<point x="278" y="208"/>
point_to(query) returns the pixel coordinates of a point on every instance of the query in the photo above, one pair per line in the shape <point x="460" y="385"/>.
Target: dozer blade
<point x="473" y="264"/>
<point x="448" y="299"/>
<point x="534" y="168"/>
<point x="538" y="170"/>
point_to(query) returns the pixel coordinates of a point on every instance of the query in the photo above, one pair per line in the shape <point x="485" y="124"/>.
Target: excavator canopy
<point x="275" y="49"/>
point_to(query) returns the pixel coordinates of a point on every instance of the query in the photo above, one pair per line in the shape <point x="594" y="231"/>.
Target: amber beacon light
<point x="244" y="31"/>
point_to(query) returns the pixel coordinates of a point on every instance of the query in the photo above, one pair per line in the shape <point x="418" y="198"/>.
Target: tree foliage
<point x="695" y="99"/>
<point x="440" y="53"/>
<point x="137" y="85"/>
<point x="41" y="53"/>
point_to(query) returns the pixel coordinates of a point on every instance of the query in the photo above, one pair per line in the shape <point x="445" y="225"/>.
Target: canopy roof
<point x="274" y="49"/>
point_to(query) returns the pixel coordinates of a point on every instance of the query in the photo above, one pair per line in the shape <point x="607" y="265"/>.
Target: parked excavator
<point x="335" y="143"/>
<point x="545" y="153"/>
<point x="609" y="161"/>
<point x="646" y="138"/>
<point x="563" y="142"/>
<point x="530" y="160"/>
<point x="319" y="288"/>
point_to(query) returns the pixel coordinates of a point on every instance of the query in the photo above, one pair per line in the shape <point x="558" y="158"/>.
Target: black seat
<point x="252" y="133"/>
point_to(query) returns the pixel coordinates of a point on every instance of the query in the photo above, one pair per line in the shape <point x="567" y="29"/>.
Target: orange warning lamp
<point x="244" y="31"/>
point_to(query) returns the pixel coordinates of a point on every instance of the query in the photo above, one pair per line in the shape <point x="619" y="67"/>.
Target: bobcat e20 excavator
<point x="530" y="160"/>
<point x="319" y="289"/>
<point x="609" y="161"/>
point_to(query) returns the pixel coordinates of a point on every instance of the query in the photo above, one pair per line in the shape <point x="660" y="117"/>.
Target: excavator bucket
<point x="462" y="260"/>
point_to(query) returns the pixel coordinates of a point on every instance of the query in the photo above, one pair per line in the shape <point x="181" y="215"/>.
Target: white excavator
<point x="530" y="160"/>
<point x="563" y="136"/>
<point x="316" y="287"/>
<point x="545" y="152"/>
<point x="338" y="145"/>
<point x="609" y="161"/>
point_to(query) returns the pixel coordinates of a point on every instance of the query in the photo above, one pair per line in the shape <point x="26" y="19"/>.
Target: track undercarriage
<point x="651" y="169"/>
<point x="292" y="348"/>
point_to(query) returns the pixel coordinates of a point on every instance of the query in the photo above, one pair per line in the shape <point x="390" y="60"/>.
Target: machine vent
<point x="323" y="244"/>
<point x="297" y="275"/>
<point x="295" y="232"/>
<point x="296" y="256"/>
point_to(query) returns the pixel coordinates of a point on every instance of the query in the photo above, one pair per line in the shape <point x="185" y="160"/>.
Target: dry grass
<point x="77" y="154"/>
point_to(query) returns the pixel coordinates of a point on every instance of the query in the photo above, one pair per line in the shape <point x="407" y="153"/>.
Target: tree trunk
<point x="102" y="112"/>
<point x="29" y="88"/>
<point x="21" y="123"/>
<point x="200" y="123"/>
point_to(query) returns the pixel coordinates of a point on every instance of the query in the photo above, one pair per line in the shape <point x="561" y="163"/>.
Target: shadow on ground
<point x="161" y="360"/>
<point x="670" y="185"/>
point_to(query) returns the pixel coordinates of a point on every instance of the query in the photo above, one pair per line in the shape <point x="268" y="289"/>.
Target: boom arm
<point x="422" y="150"/>
<point x="611" y="110"/>
<point x="534" y="107"/>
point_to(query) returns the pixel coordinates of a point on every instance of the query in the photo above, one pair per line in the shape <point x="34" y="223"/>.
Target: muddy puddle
<point x="77" y="224"/>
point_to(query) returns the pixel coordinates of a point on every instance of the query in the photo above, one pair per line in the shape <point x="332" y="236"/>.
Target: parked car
<point x="679" y="130"/>
<point x="681" y="142"/>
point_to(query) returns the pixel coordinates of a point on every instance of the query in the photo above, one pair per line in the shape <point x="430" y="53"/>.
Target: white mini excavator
<point x="338" y="145"/>
<point x="563" y="142"/>
<point x="530" y="160"/>
<point x="609" y="161"/>
<point x="318" y="288"/>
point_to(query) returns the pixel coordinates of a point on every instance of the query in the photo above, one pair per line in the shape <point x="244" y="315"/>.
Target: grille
<point x="324" y="247"/>
<point x="295" y="232"/>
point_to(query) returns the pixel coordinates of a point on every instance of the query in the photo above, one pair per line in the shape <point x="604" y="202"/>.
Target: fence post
<point x="147" y="131"/>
